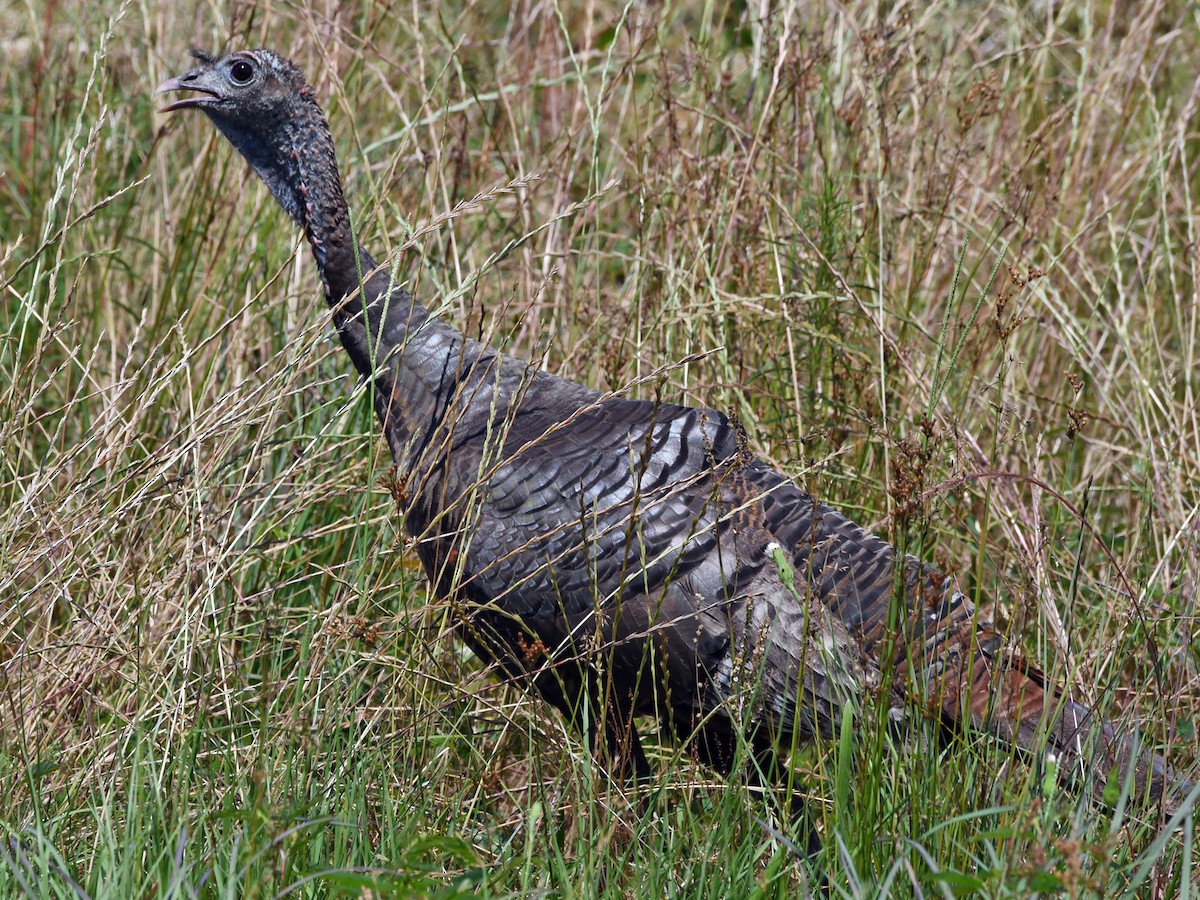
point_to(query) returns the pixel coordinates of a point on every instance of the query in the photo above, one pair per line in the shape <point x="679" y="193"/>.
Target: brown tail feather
<point x="1006" y="696"/>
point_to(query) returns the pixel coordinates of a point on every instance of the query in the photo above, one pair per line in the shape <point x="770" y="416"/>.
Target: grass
<point x="940" y="260"/>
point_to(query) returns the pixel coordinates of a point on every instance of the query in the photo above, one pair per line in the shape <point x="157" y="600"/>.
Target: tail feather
<point x="1097" y="750"/>
<point x="1000" y="693"/>
<point x="939" y="653"/>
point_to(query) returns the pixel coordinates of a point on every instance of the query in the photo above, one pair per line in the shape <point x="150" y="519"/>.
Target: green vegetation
<point x="940" y="260"/>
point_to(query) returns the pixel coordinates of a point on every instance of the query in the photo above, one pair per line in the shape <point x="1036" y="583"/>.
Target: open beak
<point x="204" y="96"/>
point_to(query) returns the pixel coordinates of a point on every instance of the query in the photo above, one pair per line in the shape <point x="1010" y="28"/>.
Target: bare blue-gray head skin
<point x="262" y="104"/>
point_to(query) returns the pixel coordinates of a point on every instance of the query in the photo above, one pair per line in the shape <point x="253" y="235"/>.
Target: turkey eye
<point x="241" y="72"/>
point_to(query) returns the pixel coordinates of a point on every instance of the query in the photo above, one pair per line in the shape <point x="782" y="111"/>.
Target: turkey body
<point x="630" y="557"/>
<point x="578" y="533"/>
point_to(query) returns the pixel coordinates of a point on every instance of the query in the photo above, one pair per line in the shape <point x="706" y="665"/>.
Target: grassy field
<point x="940" y="259"/>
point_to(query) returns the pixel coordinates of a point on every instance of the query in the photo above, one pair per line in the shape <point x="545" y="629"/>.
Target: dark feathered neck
<point x="294" y="155"/>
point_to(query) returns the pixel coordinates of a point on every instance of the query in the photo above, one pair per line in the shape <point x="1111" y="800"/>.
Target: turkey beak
<point x="192" y="81"/>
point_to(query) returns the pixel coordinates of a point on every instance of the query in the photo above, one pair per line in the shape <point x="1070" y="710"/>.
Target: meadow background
<point x="939" y="258"/>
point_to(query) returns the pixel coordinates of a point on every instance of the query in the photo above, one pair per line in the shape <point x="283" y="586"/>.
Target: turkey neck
<point x="295" y="156"/>
<point x="412" y="359"/>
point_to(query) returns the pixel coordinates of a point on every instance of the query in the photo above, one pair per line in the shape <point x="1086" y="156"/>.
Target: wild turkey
<point x="627" y="556"/>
